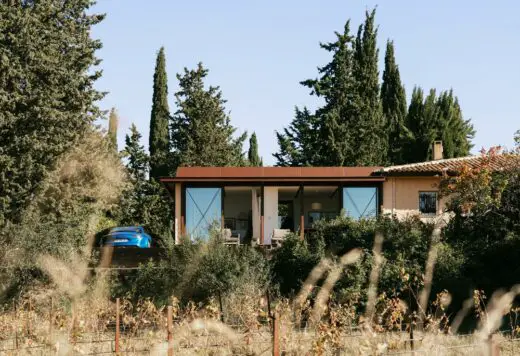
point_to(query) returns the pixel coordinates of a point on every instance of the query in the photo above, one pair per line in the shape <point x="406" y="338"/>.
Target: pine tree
<point x="202" y="134"/>
<point x="252" y="155"/>
<point x="159" y="144"/>
<point x="393" y="100"/>
<point x="324" y="138"/>
<point x="113" y="122"/>
<point x="47" y="94"/>
<point x="299" y="143"/>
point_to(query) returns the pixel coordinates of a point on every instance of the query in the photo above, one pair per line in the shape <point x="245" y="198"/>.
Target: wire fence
<point x="277" y="336"/>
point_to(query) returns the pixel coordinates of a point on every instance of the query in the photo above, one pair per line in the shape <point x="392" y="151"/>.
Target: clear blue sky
<point x="257" y="52"/>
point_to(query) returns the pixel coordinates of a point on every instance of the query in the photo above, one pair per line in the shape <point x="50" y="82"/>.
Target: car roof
<point x="127" y="228"/>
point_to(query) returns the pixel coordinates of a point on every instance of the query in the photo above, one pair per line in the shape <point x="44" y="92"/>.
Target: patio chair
<point x="229" y="239"/>
<point x="278" y="236"/>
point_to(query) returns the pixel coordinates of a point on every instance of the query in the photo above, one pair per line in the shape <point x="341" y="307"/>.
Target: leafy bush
<point x="195" y="271"/>
<point x="292" y="263"/>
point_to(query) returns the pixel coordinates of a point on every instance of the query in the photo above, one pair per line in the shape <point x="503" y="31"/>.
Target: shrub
<point x="292" y="263"/>
<point x="195" y="271"/>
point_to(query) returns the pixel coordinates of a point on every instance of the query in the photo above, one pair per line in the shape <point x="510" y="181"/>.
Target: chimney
<point x="437" y="150"/>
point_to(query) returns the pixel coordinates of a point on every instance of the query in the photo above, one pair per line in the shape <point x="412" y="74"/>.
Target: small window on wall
<point x="428" y="203"/>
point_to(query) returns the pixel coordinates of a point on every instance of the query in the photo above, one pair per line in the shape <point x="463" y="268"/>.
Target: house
<point x="255" y="203"/>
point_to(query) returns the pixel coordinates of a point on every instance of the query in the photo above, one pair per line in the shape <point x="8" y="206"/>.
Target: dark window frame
<point x="427" y="213"/>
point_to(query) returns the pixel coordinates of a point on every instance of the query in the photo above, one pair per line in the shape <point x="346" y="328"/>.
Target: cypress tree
<point x="455" y="132"/>
<point x="393" y="100"/>
<point x="145" y="202"/>
<point x="113" y="122"/>
<point x="437" y="118"/>
<point x="252" y="155"/>
<point x="349" y="129"/>
<point x="372" y="134"/>
<point x="413" y="124"/>
<point x="202" y="134"/>
<point x="159" y="139"/>
<point x="138" y="160"/>
<point x="47" y="92"/>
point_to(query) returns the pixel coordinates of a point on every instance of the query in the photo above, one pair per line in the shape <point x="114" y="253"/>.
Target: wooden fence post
<point x="494" y="348"/>
<point x="276" y="336"/>
<point x="16" y="325"/>
<point x="170" y="330"/>
<point x="411" y="335"/>
<point x="51" y="312"/>
<point x="29" y="322"/>
<point x="116" y="347"/>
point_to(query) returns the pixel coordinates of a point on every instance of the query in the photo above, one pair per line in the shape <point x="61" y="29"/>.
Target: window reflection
<point x="360" y="202"/>
<point x="203" y="211"/>
<point x="428" y="203"/>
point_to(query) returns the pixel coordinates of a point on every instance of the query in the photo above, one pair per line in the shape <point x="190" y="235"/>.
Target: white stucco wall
<point x="177" y="222"/>
<point x="270" y="212"/>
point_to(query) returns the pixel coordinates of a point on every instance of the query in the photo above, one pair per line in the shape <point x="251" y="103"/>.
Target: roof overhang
<point x="261" y="175"/>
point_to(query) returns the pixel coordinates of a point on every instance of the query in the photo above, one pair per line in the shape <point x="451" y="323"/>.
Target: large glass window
<point x="428" y="203"/>
<point x="203" y="211"/>
<point x="360" y="202"/>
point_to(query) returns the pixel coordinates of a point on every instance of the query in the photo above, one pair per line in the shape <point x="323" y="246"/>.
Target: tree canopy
<point x="363" y="123"/>
<point x="47" y="94"/>
<point x="159" y="139"/>
<point x="202" y="134"/>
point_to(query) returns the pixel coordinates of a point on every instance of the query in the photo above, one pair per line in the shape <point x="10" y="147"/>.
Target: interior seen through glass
<point x="203" y="211"/>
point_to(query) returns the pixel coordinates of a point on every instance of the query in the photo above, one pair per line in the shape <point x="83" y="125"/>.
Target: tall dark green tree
<point x="252" y="155"/>
<point x="455" y="132"/>
<point x="202" y="134"/>
<point x="414" y="119"/>
<point x="348" y="130"/>
<point x="138" y="160"/>
<point x="437" y="118"/>
<point x="372" y="130"/>
<point x="324" y="138"/>
<point x="144" y="202"/>
<point x="159" y="139"/>
<point x="393" y="101"/>
<point x="113" y="122"/>
<point x="47" y="94"/>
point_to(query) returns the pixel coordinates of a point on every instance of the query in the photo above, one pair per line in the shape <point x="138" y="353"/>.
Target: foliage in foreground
<point x="47" y="95"/>
<point x="65" y="212"/>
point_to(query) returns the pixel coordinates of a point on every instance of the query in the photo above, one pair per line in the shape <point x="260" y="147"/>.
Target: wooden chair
<point x="278" y="236"/>
<point x="229" y="239"/>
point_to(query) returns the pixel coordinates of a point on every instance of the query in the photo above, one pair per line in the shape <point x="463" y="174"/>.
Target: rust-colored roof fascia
<point x="274" y="172"/>
<point x="273" y="179"/>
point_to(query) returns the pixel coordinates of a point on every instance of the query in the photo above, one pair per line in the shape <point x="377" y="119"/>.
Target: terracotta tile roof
<point x="454" y="165"/>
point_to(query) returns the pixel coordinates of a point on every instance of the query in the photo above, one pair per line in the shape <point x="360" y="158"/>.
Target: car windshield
<point x="125" y="229"/>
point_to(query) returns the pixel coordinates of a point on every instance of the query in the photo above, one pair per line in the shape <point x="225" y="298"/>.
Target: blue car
<point x="128" y="236"/>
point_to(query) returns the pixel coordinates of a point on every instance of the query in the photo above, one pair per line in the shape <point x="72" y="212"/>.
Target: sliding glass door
<point x="203" y="211"/>
<point x="360" y="202"/>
